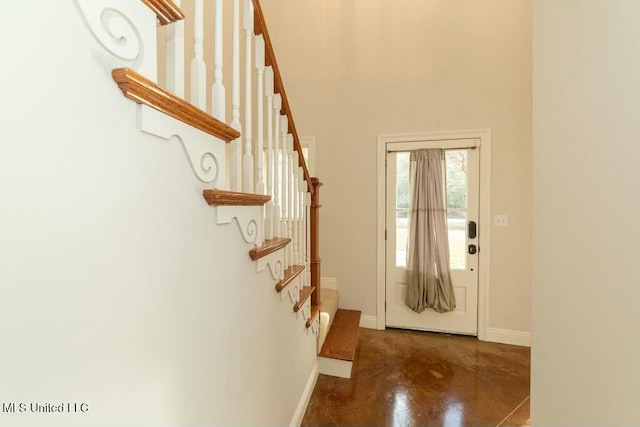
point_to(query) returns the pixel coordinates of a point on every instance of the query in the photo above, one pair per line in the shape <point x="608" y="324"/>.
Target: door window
<point x="402" y="208"/>
<point x="456" y="186"/>
<point x="456" y="195"/>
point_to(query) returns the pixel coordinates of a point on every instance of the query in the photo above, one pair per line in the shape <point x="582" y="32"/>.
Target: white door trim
<point x="484" y="237"/>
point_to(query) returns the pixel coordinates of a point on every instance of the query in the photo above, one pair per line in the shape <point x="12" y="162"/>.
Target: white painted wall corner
<point x="368" y="321"/>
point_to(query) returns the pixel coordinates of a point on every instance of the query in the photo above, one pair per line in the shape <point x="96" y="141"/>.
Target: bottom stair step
<point x="339" y="349"/>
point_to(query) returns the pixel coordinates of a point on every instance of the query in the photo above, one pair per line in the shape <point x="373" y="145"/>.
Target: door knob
<point x="473" y="249"/>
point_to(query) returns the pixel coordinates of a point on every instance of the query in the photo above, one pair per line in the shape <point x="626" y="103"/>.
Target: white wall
<point x="117" y="288"/>
<point x="586" y="339"/>
<point x="355" y="69"/>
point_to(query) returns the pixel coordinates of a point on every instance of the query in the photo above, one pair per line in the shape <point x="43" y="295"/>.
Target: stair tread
<point x="268" y="247"/>
<point x="289" y="274"/>
<point x="305" y="293"/>
<point x="143" y="91"/>
<point x="342" y="338"/>
<point x="315" y="309"/>
<point x="233" y="198"/>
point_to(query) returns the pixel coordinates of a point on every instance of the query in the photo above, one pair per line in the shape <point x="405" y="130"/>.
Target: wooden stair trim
<point x="268" y="247"/>
<point x="166" y="11"/>
<point x="143" y="91"/>
<point x="342" y="338"/>
<point x="315" y="310"/>
<point x="305" y="293"/>
<point x="289" y="274"/>
<point x="232" y="198"/>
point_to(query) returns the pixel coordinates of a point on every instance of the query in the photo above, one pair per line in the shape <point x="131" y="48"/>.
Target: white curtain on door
<point x="428" y="275"/>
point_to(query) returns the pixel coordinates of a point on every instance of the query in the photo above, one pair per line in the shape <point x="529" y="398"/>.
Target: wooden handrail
<point x="166" y="11"/>
<point x="143" y="91"/>
<point x="260" y="27"/>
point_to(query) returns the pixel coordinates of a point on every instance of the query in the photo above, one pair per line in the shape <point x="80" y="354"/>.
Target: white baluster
<point x="295" y="208"/>
<point x="290" y="193"/>
<point x="175" y="57"/>
<point x="218" y="95"/>
<point x="269" y="206"/>
<point x="284" y="228"/>
<point x="300" y="217"/>
<point x="277" y="166"/>
<point x="301" y="214"/>
<point x="260" y="112"/>
<point x="247" y="159"/>
<point x="235" y="149"/>
<point x="198" y="67"/>
<point x="307" y="261"/>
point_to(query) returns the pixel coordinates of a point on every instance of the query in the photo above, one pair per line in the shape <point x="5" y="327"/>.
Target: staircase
<point x="288" y="222"/>
<point x="251" y="167"/>
<point x="251" y="164"/>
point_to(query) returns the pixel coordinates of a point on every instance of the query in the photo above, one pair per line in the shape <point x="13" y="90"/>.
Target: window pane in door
<point x="456" y="177"/>
<point x="402" y="208"/>
<point x="402" y="234"/>
<point x="456" y="167"/>
<point x="402" y="180"/>
<point x="457" y="240"/>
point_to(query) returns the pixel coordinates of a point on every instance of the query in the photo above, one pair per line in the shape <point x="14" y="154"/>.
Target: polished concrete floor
<point x="407" y="378"/>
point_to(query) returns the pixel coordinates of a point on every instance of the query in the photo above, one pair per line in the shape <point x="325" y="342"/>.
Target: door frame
<point x="484" y="212"/>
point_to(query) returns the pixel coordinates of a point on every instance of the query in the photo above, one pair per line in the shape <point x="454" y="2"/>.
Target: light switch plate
<point x="500" y="220"/>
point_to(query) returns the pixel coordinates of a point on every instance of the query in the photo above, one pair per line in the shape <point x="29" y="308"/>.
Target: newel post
<point x="314" y="240"/>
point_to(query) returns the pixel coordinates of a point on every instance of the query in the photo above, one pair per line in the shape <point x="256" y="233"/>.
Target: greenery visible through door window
<point x="456" y="179"/>
<point x="402" y="207"/>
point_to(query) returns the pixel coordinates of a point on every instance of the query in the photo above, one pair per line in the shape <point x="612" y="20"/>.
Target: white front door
<point x="462" y="188"/>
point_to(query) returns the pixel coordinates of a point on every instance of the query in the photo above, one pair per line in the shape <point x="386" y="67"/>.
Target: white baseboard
<point x="506" y="336"/>
<point x="329" y="283"/>
<point x="503" y="336"/>
<point x="368" y="321"/>
<point x="306" y="396"/>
